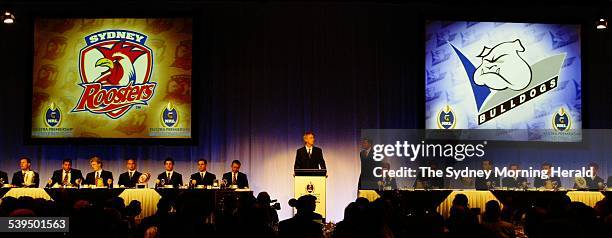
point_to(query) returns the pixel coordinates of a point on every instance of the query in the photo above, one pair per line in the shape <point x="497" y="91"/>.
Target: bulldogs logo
<point x="502" y="67"/>
<point x="115" y="69"/>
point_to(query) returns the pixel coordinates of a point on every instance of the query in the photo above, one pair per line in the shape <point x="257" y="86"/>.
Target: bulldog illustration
<point x="502" y="67"/>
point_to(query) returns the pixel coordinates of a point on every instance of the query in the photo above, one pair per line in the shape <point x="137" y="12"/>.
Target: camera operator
<point x="263" y="198"/>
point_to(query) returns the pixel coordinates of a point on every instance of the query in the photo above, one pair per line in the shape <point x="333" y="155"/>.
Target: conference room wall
<point x="268" y="72"/>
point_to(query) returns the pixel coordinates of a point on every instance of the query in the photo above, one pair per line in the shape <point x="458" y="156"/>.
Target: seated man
<point x="25" y="177"/>
<point x="514" y="182"/>
<point x="202" y="177"/>
<point x="169" y="177"/>
<point x="387" y="182"/>
<point x="235" y="177"/>
<point x="129" y="179"/>
<point x="424" y="182"/>
<point x="549" y="182"/>
<point x="593" y="182"/>
<point x="483" y="183"/>
<point x="67" y="175"/>
<point x="98" y="177"/>
<point x="3" y="178"/>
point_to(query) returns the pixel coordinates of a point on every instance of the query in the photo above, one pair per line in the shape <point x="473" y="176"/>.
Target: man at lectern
<point x="309" y="156"/>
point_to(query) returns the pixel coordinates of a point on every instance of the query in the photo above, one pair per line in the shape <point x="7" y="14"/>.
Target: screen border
<point x="428" y="15"/>
<point x="195" y="73"/>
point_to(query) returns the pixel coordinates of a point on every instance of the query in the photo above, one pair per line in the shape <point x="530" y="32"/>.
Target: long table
<point x="204" y="200"/>
<point x="441" y="199"/>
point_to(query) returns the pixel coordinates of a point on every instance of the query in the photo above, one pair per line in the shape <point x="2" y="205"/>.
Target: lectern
<point x="311" y="182"/>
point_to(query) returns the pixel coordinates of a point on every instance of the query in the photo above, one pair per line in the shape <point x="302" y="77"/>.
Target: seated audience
<point x="491" y="220"/>
<point x="306" y="223"/>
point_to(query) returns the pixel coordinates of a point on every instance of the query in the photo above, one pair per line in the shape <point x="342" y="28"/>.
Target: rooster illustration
<point x="119" y="61"/>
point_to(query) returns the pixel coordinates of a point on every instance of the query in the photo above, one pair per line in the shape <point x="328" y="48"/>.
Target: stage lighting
<point x="8" y="18"/>
<point x="602" y="24"/>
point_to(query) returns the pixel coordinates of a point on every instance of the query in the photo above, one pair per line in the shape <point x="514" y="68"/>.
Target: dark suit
<point x="4" y="177"/>
<point x="592" y="183"/>
<point x="176" y="179"/>
<point x="511" y="182"/>
<point x="105" y="175"/>
<point x="241" y="179"/>
<point x="480" y="183"/>
<point x="313" y="161"/>
<point x="429" y="182"/>
<point x="539" y="182"/>
<point x="18" y="180"/>
<point x="208" y="179"/>
<point x="58" y="176"/>
<point x="366" y="177"/>
<point x="126" y="181"/>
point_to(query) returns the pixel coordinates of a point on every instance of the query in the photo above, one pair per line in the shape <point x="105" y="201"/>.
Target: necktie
<point x="97" y="175"/>
<point x="131" y="174"/>
<point x="65" y="178"/>
<point x="309" y="153"/>
<point x="234" y="180"/>
<point x="202" y="175"/>
<point x="168" y="175"/>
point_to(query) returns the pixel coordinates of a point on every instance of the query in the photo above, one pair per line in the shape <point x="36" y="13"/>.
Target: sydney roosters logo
<point x="115" y="69"/>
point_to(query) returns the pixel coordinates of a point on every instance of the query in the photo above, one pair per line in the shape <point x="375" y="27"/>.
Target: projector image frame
<point x="169" y="111"/>
<point x="427" y="17"/>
